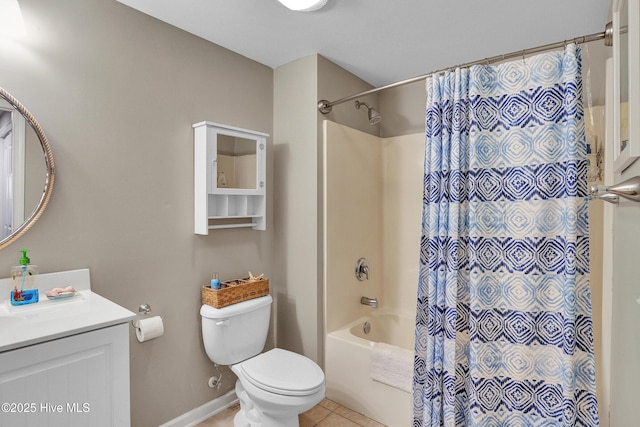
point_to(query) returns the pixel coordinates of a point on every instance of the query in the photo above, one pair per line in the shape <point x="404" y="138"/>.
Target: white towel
<point x="392" y="365"/>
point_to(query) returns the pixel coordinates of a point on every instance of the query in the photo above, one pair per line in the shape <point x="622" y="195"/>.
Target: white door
<point x="621" y="306"/>
<point x="625" y="320"/>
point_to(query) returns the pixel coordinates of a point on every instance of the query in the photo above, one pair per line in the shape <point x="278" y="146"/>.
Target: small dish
<point x="60" y="293"/>
<point x="62" y="296"/>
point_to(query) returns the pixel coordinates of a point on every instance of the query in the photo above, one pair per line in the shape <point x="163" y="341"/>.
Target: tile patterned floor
<point x="326" y="414"/>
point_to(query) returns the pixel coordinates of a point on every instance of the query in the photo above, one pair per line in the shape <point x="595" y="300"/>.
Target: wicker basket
<point x="234" y="291"/>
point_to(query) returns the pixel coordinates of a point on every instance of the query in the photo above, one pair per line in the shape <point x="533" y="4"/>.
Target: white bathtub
<point x="348" y="364"/>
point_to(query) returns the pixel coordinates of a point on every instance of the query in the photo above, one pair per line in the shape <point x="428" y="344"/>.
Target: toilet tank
<point x="237" y="332"/>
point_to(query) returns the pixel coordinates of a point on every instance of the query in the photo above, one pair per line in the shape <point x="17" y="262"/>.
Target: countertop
<point x="47" y="320"/>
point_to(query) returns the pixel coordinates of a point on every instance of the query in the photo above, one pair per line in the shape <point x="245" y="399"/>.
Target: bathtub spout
<point x="372" y="302"/>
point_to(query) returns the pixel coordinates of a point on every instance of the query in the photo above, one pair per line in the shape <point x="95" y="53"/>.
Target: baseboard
<point x="201" y="413"/>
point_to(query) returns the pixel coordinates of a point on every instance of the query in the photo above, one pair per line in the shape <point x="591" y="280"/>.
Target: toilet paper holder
<point x="143" y="310"/>
<point x="147" y="327"/>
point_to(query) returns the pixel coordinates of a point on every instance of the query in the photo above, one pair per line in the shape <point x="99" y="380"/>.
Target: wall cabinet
<point x="80" y="380"/>
<point x="229" y="177"/>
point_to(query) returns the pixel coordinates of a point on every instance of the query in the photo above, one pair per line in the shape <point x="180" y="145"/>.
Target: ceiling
<point x="381" y="41"/>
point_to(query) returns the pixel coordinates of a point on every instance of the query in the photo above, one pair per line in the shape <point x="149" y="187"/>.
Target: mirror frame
<point x="50" y="177"/>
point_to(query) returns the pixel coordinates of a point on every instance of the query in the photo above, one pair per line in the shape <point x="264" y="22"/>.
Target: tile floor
<point x="326" y="414"/>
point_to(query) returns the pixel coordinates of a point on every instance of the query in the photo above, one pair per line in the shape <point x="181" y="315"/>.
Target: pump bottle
<point x="24" y="282"/>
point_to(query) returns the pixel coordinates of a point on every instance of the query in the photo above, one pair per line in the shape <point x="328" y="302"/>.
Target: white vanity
<point x="64" y="363"/>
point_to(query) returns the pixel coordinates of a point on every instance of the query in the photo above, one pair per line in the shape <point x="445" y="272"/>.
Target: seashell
<point x="253" y="278"/>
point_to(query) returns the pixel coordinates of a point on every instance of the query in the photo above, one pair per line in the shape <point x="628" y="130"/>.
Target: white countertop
<point x="48" y="320"/>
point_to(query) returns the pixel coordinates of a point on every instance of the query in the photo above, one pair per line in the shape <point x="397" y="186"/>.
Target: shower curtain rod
<point x="325" y="106"/>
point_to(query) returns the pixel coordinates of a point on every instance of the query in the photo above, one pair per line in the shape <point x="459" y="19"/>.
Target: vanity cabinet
<point x="80" y="380"/>
<point x="64" y="362"/>
<point x="229" y="177"/>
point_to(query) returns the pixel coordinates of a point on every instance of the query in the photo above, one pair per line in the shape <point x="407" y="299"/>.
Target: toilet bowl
<point x="280" y="385"/>
<point x="273" y="387"/>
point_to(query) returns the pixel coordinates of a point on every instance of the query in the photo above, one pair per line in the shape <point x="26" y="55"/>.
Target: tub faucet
<point x="362" y="269"/>
<point x="372" y="302"/>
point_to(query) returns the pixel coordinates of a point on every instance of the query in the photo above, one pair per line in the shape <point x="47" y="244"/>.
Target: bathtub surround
<point x="373" y="196"/>
<point x="504" y="266"/>
<point x="353" y="222"/>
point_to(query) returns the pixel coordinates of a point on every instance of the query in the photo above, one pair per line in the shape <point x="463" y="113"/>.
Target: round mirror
<point x="23" y="173"/>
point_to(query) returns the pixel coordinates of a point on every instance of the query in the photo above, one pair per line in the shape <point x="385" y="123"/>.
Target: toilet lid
<point x="283" y="372"/>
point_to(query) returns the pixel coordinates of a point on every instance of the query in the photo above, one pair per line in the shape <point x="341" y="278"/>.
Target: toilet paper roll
<point x="148" y="329"/>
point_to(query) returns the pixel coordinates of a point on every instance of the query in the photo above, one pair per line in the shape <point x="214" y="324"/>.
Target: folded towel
<point x="392" y="365"/>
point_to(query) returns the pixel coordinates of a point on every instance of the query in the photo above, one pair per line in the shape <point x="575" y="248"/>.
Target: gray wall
<point x="116" y="93"/>
<point x="402" y="110"/>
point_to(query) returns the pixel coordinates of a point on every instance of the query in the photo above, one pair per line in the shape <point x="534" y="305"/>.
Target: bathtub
<point x="348" y="364"/>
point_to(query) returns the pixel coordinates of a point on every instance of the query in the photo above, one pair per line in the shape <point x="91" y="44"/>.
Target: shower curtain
<point x="503" y="329"/>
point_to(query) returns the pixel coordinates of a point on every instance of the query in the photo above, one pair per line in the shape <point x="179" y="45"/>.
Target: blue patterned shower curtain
<point x="503" y="330"/>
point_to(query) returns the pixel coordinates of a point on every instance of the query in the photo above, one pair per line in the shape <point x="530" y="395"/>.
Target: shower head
<point x="374" y="116"/>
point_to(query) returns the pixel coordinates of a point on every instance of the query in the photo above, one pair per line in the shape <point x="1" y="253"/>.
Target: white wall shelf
<point x="229" y="177"/>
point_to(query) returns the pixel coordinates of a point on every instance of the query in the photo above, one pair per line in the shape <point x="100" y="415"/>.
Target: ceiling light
<point x="12" y="23"/>
<point x="301" y="5"/>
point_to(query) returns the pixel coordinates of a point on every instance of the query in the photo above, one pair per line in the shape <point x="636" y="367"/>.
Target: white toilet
<point x="273" y="387"/>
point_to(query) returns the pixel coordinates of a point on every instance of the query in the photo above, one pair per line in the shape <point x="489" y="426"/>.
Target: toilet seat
<point x="283" y="372"/>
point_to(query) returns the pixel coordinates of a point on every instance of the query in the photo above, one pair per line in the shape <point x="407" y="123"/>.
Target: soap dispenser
<point x="23" y="281"/>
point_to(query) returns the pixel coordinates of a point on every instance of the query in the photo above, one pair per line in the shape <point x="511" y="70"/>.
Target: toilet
<point x="273" y="387"/>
